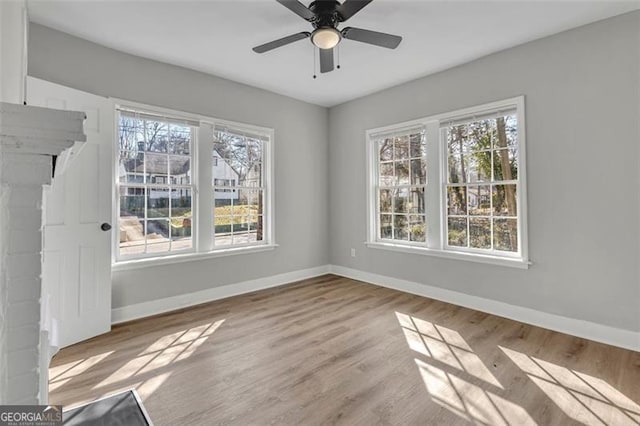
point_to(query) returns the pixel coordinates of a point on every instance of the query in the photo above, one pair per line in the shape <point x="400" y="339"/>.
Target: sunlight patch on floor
<point x="582" y="397"/>
<point x="61" y="374"/>
<point x="469" y="401"/>
<point x="444" y="345"/>
<point x="162" y="353"/>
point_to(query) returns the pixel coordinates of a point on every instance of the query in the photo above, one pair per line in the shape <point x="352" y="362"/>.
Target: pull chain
<point x="314" y="63"/>
<point x="338" y="56"/>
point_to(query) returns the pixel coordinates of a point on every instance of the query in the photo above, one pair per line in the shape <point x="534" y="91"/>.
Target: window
<point x="452" y="185"/>
<point x="482" y="183"/>
<point x="155" y="185"/>
<point x="401" y="188"/>
<point x="173" y="199"/>
<point x="238" y="186"/>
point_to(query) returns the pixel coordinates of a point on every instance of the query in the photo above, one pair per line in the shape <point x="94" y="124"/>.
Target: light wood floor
<point x="336" y="351"/>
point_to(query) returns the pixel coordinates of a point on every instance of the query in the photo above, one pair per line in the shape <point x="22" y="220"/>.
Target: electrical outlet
<point x="353" y="252"/>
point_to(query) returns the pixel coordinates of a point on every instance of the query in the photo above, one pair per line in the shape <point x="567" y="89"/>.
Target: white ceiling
<point x="216" y="37"/>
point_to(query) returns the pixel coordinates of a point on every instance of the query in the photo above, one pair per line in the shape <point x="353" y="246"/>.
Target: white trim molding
<point x="159" y="306"/>
<point x="627" y="339"/>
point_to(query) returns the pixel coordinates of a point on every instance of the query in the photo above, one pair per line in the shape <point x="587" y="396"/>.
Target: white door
<point x="76" y="270"/>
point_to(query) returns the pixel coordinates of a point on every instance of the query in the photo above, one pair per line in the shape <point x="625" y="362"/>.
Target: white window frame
<point x="202" y="198"/>
<point x="435" y="197"/>
<point x="267" y="187"/>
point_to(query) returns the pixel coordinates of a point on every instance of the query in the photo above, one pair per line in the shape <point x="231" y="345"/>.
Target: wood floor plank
<point x="331" y="350"/>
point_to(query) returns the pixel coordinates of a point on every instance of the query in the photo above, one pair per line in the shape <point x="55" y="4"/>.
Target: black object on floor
<point x="123" y="409"/>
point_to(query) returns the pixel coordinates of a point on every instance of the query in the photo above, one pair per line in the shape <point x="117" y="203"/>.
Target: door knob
<point x="105" y="227"/>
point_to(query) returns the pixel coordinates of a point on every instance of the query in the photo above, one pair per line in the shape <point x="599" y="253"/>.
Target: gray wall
<point x="582" y="110"/>
<point x="301" y="153"/>
<point x="582" y="92"/>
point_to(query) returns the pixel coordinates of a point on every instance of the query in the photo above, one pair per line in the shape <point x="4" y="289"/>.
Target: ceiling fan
<point x="325" y="16"/>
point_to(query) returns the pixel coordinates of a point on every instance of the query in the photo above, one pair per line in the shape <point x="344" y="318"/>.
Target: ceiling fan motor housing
<point x="326" y="13"/>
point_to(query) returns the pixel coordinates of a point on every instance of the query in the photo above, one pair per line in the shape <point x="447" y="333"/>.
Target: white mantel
<point x="29" y="137"/>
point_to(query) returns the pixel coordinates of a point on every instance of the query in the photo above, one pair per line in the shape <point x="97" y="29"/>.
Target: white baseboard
<point x="154" y="307"/>
<point x="588" y="330"/>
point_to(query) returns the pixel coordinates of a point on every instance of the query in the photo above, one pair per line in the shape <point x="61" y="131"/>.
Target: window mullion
<point x="433" y="196"/>
<point x="205" y="195"/>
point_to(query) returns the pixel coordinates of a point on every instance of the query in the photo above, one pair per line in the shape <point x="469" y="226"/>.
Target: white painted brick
<point x="24" y="289"/>
<point x="23" y="337"/>
<point x="23" y="386"/>
<point x="23" y="361"/>
<point x="27" y="197"/>
<point x="24" y="241"/>
<point x="26" y="169"/>
<point x="27" y="218"/>
<point x="24" y="265"/>
<point x="23" y="313"/>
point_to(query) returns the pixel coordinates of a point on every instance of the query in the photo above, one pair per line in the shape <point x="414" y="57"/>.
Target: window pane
<point x="386" y="226"/>
<point x="157" y="202"/>
<point x="457" y="231"/>
<point x="181" y="238"/>
<point x="157" y="235"/>
<point x="478" y="166"/>
<point x="505" y="234"/>
<point x="402" y="172"/>
<point x="386" y="149"/>
<point x="480" y="232"/>
<point x="131" y="167"/>
<point x="417" y="229"/>
<point x="180" y="169"/>
<point x="505" y="164"/>
<point x="385" y="200"/>
<point x="387" y="174"/>
<point x="179" y="139"/>
<point x="156" y="135"/>
<point x="156" y="168"/>
<point x="416" y="201"/>
<point x="456" y="139"/>
<point x="510" y="131"/>
<point x="457" y="172"/>
<point x="132" y="202"/>
<point x="239" y="153"/>
<point x="504" y="200"/>
<point x="130" y="248"/>
<point x="131" y="220"/>
<point x="456" y="200"/>
<point x="401" y="200"/>
<point x="256" y="229"/>
<point x="222" y="230"/>
<point x="131" y="135"/>
<point x="254" y="176"/>
<point x="401" y="147"/>
<point x="401" y="227"/>
<point x="417" y="146"/>
<point x="181" y="218"/>
<point x="418" y="171"/>
<point x="479" y="200"/>
<point x="480" y="135"/>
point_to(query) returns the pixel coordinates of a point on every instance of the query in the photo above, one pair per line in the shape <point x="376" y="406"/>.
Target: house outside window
<point x="452" y="185"/>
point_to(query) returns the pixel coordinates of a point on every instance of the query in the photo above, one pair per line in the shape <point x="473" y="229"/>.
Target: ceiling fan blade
<point x="372" y="37"/>
<point x="326" y="60"/>
<point x="350" y="7"/>
<point x="280" y="42"/>
<point x="298" y="8"/>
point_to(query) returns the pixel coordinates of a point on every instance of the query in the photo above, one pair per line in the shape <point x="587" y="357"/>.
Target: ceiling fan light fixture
<point x="325" y="38"/>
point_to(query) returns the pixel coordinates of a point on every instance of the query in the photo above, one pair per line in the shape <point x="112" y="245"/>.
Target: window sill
<point x="456" y="255"/>
<point x="187" y="257"/>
